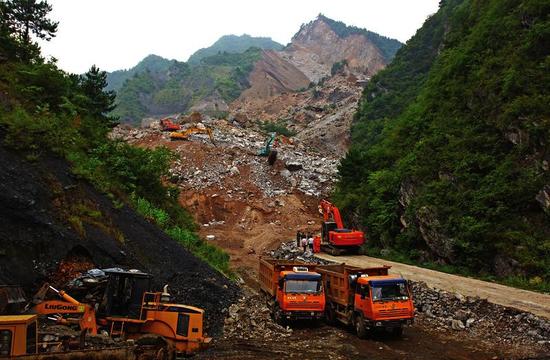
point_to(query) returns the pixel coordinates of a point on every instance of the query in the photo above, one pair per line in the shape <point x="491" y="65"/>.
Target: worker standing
<point x="303" y="243"/>
<point x="298" y="238"/>
<point x="310" y="241"/>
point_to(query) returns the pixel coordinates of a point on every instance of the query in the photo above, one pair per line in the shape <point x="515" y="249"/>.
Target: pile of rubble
<point x="453" y="311"/>
<point x="291" y="251"/>
<point x="302" y="169"/>
<point x="250" y="318"/>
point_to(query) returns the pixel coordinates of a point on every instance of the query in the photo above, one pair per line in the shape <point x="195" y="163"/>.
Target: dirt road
<point x="337" y="343"/>
<point x="536" y="303"/>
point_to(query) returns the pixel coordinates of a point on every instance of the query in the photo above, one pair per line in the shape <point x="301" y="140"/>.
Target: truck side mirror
<point x="281" y="283"/>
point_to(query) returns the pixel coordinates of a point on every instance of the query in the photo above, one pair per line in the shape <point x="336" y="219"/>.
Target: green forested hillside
<point x="46" y="112"/>
<point x="234" y="44"/>
<point x="153" y="63"/>
<point x="182" y="85"/>
<point x="449" y="161"/>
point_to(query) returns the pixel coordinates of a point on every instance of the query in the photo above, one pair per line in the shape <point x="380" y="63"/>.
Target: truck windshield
<point x="303" y="286"/>
<point x="397" y="291"/>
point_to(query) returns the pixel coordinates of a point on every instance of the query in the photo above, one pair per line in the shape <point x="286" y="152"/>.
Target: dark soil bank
<point x="47" y="215"/>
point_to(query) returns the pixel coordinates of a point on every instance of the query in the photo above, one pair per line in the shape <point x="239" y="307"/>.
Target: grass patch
<point x="213" y="255"/>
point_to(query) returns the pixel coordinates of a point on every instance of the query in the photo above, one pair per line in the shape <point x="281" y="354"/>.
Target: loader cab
<point x="124" y="293"/>
<point x="18" y="335"/>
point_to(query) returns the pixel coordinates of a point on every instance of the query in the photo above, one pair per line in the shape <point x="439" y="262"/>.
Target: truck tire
<point x="278" y="316"/>
<point x="330" y="315"/>
<point x="360" y="327"/>
<point x="397" y="331"/>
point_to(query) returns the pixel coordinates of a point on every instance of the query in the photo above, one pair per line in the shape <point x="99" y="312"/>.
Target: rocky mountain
<point x="234" y="44"/>
<point x="317" y="50"/>
<point x="449" y="158"/>
<point x="323" y="42"/>
<point x="210" y="83"/>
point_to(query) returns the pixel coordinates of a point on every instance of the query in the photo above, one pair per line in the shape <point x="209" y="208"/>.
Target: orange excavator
<point x="335" y="238"/>
<point x="184" y="135"/>
<point x="129" y="310"/>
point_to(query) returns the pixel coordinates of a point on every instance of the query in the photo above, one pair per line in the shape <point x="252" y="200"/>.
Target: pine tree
<point x="99" y="102"/>
<point x="25" y="17"/>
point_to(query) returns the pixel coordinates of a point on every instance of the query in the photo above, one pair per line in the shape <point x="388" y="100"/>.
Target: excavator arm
<point x="175" y="135"/>
<point x="330" y="211"/>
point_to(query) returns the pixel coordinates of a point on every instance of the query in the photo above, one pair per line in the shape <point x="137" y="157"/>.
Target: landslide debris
<point x="37" y="241"/>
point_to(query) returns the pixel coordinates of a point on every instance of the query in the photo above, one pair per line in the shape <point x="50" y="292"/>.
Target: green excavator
<point x="268" y="150"/>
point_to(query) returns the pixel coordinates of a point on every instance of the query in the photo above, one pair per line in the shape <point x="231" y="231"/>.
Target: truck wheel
<point x="397" y="331"/>
<point x="278" y="316"/>
<point x="330" y="315"/>
<point x="360" y="328"/>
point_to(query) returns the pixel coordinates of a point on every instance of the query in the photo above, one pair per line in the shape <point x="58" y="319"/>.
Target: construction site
<point x="271" y="217"/>
<point x="247" y="151"/>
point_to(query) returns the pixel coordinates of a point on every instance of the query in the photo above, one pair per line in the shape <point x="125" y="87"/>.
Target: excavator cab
<point x="124" y="293"/>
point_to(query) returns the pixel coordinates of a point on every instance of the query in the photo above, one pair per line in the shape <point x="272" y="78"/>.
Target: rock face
<point x="273" y="75"/>
<point x="316" y="47"/>
<point x="430" y="229"/>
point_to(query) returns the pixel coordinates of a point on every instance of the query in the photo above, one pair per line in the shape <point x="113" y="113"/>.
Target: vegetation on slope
<point x="234" y="44"/>
<point x="43" y="110"/>
<point x="153" y="63"/>
<point x="223" y="75"/>
<point x="450" y="144"/>
<point x="387" y="46"/>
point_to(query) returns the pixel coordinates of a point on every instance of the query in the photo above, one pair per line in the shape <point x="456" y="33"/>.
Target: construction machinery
<point x="130" y="310"/>
<point x="20" y="338"/>
<point x="18" y="335"/>
<point x="293" y="290"/>
<point x="268" y="149"/>
<point x="367" y="298"/>
<point x="184" y="135"/>
<point x="167" y="125"/>
<point x="335" y="238"/>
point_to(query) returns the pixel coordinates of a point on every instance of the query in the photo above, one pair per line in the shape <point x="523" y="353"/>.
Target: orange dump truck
<point x="367" y="298"/>
<point x="293" y="289"/>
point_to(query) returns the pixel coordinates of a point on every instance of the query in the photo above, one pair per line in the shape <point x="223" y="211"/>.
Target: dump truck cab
<point x="300" y="294"/>
<point x="367" y="298"/>
<point x="18" y="335"/>
<point x="293" y="290"/>
<point x="384" y="301"/>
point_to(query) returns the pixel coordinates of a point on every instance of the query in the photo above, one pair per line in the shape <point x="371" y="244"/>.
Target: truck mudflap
<point x="303" y="315"/>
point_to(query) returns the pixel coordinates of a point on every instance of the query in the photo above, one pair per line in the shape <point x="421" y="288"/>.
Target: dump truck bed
<point x="336" y="280"/>
<point x="270" y="270"/>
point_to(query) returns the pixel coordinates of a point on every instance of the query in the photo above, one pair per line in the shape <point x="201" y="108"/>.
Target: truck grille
<point x="304" y="305"/>
<point x="394" y="312"/>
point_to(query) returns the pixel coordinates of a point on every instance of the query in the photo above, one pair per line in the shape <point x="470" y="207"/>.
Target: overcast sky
<point x="117" y="34"/>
